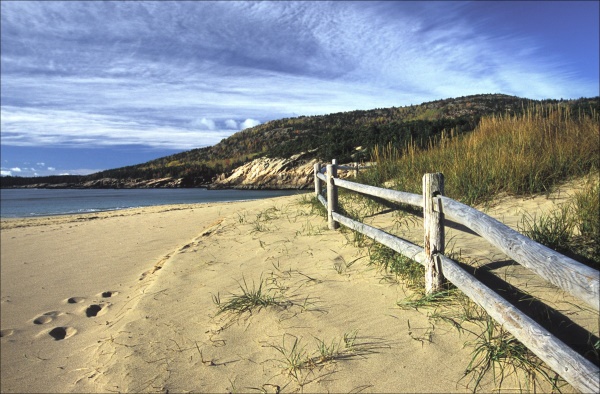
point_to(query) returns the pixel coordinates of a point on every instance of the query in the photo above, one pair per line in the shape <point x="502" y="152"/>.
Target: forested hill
<point x="345" y="136"/>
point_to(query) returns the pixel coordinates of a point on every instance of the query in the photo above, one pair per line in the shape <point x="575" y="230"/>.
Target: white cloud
<point x="29" y="172"/>
<point x="231" y="124"/>
<point x="204" y="124"/>
<point x="41" y="164"/>
<point x="249" y="123"/>
<point x="16" y="169"/>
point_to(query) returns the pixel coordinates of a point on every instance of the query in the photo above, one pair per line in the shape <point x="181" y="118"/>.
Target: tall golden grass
<point x="514" y="154"/>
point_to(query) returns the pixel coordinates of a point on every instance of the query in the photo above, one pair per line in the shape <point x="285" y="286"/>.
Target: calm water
<point x="16" y="203"/>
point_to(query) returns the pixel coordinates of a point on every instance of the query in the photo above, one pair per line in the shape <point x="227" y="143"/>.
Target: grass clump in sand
<point x="259" y="225"/>
<point x="497" y="352"/>
<point x="573" y="229"/>
<point x="248" y="300"/>
<point x="296" y="359"/>
<point x="401" y="267"/>
<point x="311" y="201"/>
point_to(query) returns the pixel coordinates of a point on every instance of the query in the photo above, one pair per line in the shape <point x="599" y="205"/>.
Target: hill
<point x="347" y="136"/>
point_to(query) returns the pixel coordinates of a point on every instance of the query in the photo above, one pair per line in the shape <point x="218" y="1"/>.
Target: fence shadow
<point x="556" y="322"/>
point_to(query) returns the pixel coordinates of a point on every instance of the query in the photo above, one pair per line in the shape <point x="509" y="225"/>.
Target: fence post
<point x="332" y="195"/>
<point x="433" y="223"/>
<point x="356" y="170"/>
<point x="317" y="180"/>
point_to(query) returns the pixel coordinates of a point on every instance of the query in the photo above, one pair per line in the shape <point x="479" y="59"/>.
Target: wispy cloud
<point x="183" y="75"/>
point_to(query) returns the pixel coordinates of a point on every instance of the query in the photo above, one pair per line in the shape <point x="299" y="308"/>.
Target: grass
<point x="501" y="155"/>
<point x="420" y="299"/>
<point x="310" y="200"/>
<point x="403" y="268"/>
<point x="573" y="228"/>
<point x="497" y="352"/>
<point x="295" y="358"/>
<point x="262" y="218"/>
<point x="553" y="230"/>
<point x="466" y="310"/>
<point x="514" y="155"/>
<point x="426" y="336"/>
<point x="309" y="229"/>
<point x="250" y="298"/>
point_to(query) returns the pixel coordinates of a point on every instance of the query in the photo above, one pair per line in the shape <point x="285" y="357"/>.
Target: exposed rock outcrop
<point x="297" y="172"/>
<point x="267" y="173"/>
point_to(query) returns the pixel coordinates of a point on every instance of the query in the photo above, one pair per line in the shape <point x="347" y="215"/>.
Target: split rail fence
<point x="575" y="278"/>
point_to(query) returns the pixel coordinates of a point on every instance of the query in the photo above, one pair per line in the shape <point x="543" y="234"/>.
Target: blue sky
<point x="87" y="86"/>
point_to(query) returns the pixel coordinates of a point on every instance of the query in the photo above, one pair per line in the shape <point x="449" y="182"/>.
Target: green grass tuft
<point x="406" y="270"/>
<point x="497" y="352"/>
<point x="248" y="300"/>
<point x="573" y="228"/>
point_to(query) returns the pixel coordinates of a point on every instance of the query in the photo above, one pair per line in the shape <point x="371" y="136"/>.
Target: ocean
<point x="25" y="203"/>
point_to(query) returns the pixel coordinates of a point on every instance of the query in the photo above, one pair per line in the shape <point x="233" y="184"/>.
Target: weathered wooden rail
<point x="573" y="277"/>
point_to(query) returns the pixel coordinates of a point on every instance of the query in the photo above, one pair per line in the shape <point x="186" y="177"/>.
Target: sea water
<point x="22" y="203"/>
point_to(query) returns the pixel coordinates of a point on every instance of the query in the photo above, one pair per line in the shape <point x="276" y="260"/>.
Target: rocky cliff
<point x="266" y="173"/>
<point x="273" y="173"/>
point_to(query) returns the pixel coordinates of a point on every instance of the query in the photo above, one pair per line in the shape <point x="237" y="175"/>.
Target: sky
<point x="93" y="85"/>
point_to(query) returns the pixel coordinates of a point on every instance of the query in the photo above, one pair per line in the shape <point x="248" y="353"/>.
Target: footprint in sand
<point x="108" y="294"/>
<point x="95" y="310"/>
<point x="7" y="332"/>
<point x="60" y="333"/>
<point x="47" y="317"/>
<point x="75" y="300"/>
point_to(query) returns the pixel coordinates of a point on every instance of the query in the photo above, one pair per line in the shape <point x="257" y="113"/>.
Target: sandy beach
<point x="126" y="301"/>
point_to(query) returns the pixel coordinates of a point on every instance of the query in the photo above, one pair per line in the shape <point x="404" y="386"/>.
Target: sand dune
<point x="125" y="302"/>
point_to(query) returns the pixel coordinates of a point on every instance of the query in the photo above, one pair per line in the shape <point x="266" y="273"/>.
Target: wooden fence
<point x="575" y="278"/>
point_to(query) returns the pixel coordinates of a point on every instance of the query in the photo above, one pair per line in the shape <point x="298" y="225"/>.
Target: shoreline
<point x="76" y="202"/>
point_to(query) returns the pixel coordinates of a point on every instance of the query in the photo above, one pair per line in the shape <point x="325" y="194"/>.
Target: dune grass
<point x="498" y="352"/>
<point x="573" y="228"/>
<point x="517" y="155"/>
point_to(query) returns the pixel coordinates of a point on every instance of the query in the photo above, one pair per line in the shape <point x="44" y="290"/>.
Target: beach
<point x="128" y="301"/>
